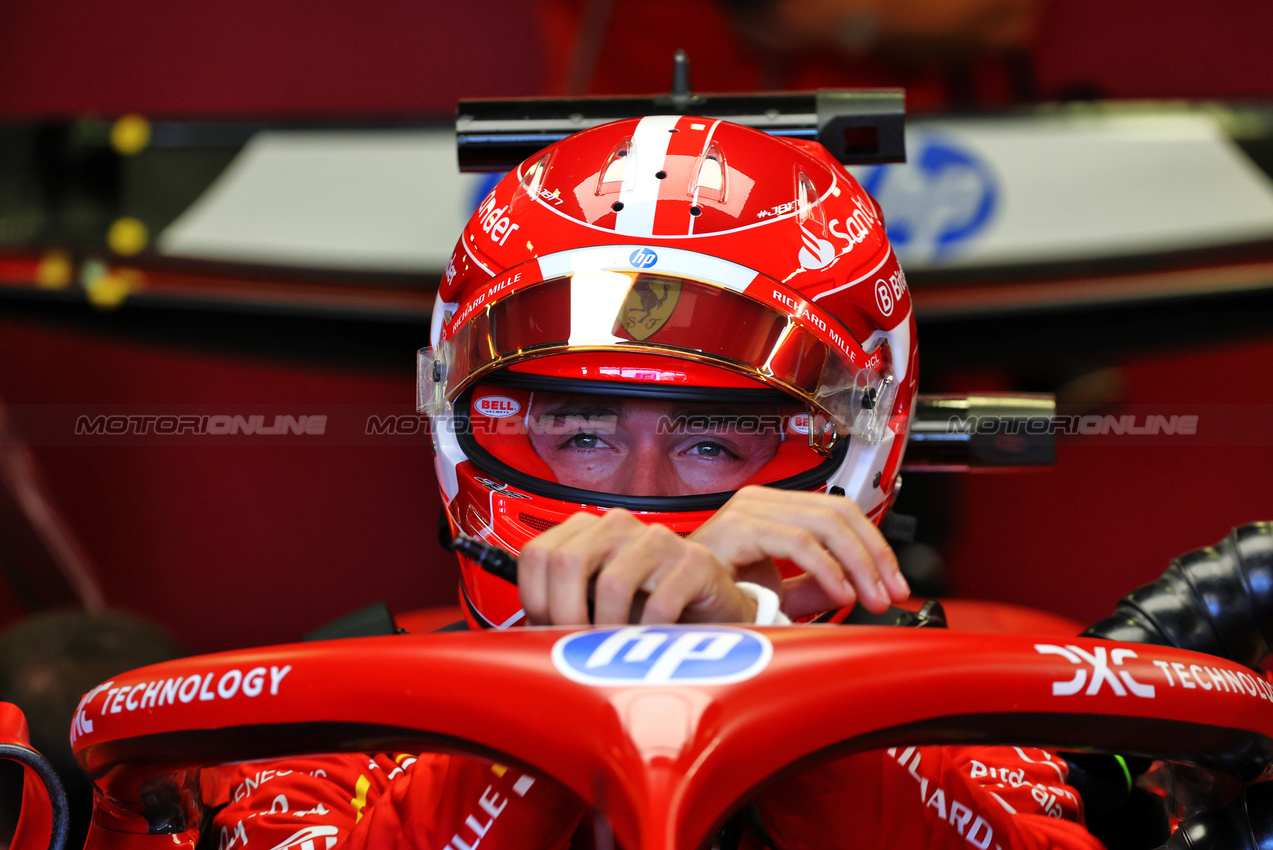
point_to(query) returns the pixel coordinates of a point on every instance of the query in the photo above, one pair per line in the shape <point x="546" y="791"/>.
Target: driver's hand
<point x="844" y="557"/>
<point x="619" y="556"/>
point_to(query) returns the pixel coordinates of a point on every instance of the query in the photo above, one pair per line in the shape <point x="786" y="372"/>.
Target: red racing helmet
<point x="689" y="266"/>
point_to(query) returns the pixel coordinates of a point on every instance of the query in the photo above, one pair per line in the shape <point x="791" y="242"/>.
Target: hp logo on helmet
<point x="662" y="655"/>
<point x="643" y="258"/>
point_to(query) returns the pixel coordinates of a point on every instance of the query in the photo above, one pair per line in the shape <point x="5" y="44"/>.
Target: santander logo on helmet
<point x="816" y="253"/>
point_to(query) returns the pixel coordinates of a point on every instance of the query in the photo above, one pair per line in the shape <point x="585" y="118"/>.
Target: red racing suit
<point x="990" y="798"/>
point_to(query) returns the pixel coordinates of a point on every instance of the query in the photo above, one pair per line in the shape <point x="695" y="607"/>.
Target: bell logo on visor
<point x="649" y="305"/>
<point x="497" y="406"/>
<point x="800" y="424"/>
<point x="643" y="258"/>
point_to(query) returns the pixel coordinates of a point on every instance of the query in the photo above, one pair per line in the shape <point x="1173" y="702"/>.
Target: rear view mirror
<point x="981" y="432"/>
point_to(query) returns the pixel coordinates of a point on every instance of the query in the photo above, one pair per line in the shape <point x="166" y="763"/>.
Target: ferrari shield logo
<point x="648" y="306"/>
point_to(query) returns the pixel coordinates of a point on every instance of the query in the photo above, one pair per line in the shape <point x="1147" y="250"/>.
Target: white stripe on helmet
<point x="640" y="193"/>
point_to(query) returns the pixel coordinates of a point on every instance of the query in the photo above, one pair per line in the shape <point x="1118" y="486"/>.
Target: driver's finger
<point x="695" y="579"/>
<point x="856" y="561"/>
<point x="760" y="500"/>
<point x="803" y="595"/>
<point x="807" y="549"/>
<point x="840" y="526"/>
<point x="871" y="536"/>
<point x="636" y="565"/>
<point x="533" y="560"/>
<point x="572" y="563"/>
<point x="768" y="500"/>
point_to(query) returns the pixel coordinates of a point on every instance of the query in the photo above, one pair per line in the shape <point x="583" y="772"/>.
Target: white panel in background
<point x="385" y="200"/>
<point x="976" y="192"/>
<point x="981" y="192"/>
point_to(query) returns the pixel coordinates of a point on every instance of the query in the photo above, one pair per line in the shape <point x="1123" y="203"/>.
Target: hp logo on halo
<point x="662" y="655"/>
<point x="643" y="258"/>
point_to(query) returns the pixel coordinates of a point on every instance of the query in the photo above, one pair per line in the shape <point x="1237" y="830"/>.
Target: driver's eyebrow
<point x="721" y="418"/>
<point x="582" y="410"/>
<point x="712" y="410"/>
<point x="721" y="409"/>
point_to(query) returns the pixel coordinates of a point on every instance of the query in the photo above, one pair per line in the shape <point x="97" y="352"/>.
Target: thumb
<point x="763" y="572"/>
<point x="802" y="596"/>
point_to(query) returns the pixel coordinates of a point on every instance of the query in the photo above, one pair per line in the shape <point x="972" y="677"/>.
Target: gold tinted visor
<point x="700" y="322"/>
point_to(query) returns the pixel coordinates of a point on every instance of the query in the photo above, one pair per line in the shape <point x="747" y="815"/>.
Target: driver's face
<point x="632" y="447"/>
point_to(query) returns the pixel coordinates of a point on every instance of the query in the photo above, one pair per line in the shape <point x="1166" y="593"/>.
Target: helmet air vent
<point x="809" y="212"/>
<point x="532" y="182"/>
<point x="533" y="179"/>
<point x="615" y="169"/>
<point x="538" y="523"/>
<point x="709" y="182"/>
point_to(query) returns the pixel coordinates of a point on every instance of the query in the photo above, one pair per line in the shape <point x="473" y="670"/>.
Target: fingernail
<point x="879" y="585"/>
<point x="899" y="580"/>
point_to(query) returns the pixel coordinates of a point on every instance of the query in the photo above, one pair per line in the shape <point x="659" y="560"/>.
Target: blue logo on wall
<point x="662" y="655"/>
<point x="643" y="258"/>
<point x="936" y="204"/>
<point x="482" y="187"/>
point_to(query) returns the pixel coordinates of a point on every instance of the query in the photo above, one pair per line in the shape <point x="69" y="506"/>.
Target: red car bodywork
<point x="666" y="762"/>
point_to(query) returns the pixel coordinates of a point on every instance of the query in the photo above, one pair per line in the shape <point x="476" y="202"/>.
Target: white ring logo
<point x="883" y="296"/>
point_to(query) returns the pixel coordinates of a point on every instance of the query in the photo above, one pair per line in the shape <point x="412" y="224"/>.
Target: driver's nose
<point x="651" y="473"/>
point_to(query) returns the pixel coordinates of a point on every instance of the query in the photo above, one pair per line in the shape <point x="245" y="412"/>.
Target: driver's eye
<point x="584" y="441"/>
<point x="708" y="449"/>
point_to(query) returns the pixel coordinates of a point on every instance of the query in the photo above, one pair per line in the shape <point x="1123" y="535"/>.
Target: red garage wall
<point x="1112" y="514"/>
<point x="274" y="59"/>
<point x="238" y="545"/>
<point x="387" y="57"/>
<point x="231" y="545"/>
